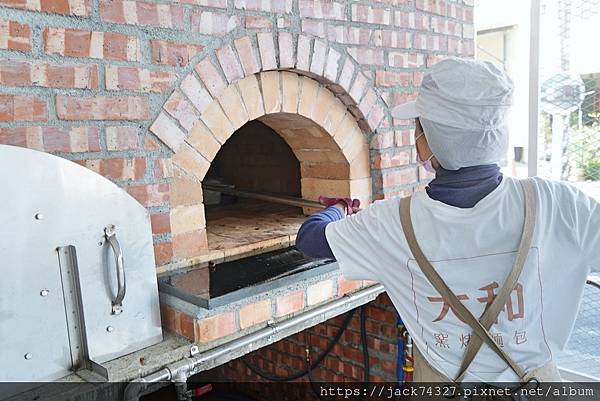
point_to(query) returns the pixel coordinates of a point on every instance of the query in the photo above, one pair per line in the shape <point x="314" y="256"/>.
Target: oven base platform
<point x="242" y="278"/>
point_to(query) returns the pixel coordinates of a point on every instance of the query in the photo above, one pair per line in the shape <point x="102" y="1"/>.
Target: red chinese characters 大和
<point x="512" y="311"/>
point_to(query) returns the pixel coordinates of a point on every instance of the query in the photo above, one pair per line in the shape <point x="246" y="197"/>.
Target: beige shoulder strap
<point x="491" y="314"/>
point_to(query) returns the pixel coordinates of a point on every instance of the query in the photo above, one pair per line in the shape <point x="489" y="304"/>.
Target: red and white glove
<point x="352" y="205"/>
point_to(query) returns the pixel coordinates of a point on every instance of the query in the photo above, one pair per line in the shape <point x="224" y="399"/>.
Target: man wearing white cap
<point x="486" y="271"/>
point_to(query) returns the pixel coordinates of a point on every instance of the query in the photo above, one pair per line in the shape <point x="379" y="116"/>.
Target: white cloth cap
<point x="463" y="106"/>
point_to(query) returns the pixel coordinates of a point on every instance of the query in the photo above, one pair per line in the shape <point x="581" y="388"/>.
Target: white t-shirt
<point x="473" y="250"/>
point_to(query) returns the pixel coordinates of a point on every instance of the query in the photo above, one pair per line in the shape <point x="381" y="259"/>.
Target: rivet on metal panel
<point x="44" y="293"/>
<point x="110" y="329"/>
<point x="39" y="216"/>
<point x="194" y="350"/>
<point x="28" y="356"/>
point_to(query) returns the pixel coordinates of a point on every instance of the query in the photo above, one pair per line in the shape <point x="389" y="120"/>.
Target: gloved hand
<point x="352" y="205"/>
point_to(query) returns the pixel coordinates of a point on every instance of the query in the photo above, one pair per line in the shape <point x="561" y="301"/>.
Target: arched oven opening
<point x="251" y="241"/>
<point x="257" y="160"/>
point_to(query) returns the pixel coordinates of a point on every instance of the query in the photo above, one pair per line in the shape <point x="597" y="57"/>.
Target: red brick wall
<point x="343" y="364"/>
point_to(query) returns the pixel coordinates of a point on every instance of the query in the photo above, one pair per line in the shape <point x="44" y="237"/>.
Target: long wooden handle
<point x="275" y="198"/>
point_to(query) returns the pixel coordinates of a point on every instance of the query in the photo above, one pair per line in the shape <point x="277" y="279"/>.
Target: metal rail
<point x="179" y="371"/>
<point x="534" y="88"/>
<point x="283" y="199"/>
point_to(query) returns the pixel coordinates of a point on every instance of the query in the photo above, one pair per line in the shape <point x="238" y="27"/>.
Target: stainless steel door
<point x="51" y="205"/>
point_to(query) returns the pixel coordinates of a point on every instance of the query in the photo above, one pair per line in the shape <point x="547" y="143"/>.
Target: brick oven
<point x="280" y="96"/>
<point x="319" y="147"/>
<point x="275" y="140"/>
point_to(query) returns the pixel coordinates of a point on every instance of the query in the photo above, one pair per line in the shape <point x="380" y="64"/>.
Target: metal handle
<point x="111" y="237"/>
<point x="283" y="199"/>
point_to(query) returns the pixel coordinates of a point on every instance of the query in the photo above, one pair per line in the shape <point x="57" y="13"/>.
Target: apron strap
<point x="491" y="314"/>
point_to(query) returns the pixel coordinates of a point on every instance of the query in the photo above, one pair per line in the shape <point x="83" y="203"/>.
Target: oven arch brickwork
<point x="327" y="141"/>
<point x="258" y="76"/>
